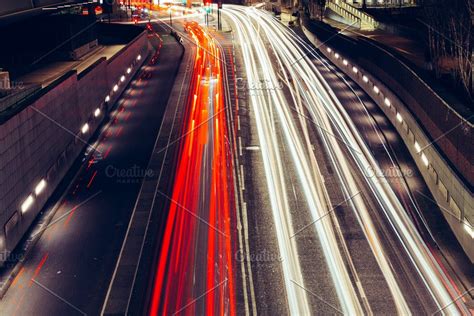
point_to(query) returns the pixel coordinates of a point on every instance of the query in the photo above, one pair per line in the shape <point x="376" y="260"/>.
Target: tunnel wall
<point x="41" y="137"/>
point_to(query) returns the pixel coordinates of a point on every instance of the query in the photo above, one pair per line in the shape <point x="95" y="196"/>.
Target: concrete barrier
<point x="83" y="50"/>
<point x="41" y="136"/>
<point x="450" y="191"/>
<point x="449" y="126"/>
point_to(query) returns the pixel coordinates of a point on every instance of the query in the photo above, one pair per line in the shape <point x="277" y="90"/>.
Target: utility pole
<point x="149" y="12"/>
<point x="219" y="7"/>
<point x="169" y="11"/>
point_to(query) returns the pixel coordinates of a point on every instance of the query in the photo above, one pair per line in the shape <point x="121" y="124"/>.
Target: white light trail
<point x="292" y="55"/>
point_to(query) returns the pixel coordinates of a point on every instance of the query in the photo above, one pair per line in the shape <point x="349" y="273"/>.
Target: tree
<point x="322" y="6"/>
<point x="450" y="38"/>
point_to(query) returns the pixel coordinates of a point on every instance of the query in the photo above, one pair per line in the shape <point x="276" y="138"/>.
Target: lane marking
<point x="252" y="148"/>
<point x="242" y="176"/>
<point x="240" y="146"/>
<point x="38" y="268"/>
<point x="92" y="179"/>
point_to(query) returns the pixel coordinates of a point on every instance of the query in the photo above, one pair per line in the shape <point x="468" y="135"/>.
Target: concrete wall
<point x="451" y="193"/>
<point x="434" y="114"/>
<point x="12" y="6"/>
<point x="43" y="138"/>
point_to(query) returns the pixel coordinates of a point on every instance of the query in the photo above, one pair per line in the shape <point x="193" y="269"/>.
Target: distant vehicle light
<point x="27" y="203"/>
<point x="40" y="187"/>
<point x="98" y="10"/>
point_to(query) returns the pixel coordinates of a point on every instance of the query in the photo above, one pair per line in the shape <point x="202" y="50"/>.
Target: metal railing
<point x="355" y="21"/>
<point x="367" y="22"/>
<point x="17" y="96"/>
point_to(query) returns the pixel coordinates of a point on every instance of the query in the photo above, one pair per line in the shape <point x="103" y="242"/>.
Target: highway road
<point x="284" y="191"/>
<point x="68" y="270"/>
<point x="347" y="237"/>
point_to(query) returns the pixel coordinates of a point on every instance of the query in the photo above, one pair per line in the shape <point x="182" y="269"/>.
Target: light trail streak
<point x="255" y="54"/>
<point x="195" y="258"/>
<point x="310" y="92"/>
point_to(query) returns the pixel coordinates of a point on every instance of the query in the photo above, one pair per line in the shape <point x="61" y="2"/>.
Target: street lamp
<point x="169" y="11"/>
<point x="149" y="11"/>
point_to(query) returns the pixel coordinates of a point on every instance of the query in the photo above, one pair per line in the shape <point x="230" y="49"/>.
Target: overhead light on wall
<point x="424" y="159"/>
<point x="345" y="62"/>
<point x="399" y="117"/>
<point x="129" y="70"/>
<point x="116" y="88"/>
<point x="97" y="112"/>
<point x="469" y="229"/>
<point x="27" y="203"/>
<point x="365" y="78"/>
<point x="376" y="89"/>
<point x="387" y="102"/>
<point x="354" y="69"/>
<point x="417" y="147"/>
<point x="328" y="50"/>
<point x="336" y="55"/>
<point x="139" y="57"/>
<point x="85" y="128"/>
<point x="107" y="98"/>
<point x="40" y="187"/>
<point x="122" y="79"/>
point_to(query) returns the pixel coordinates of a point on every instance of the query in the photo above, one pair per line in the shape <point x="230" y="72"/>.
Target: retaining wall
<point x="41" y="136"/>
<point x="450" y="191"/>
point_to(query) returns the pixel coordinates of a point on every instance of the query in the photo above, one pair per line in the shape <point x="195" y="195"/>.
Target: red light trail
<point x="195" y="273"/>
